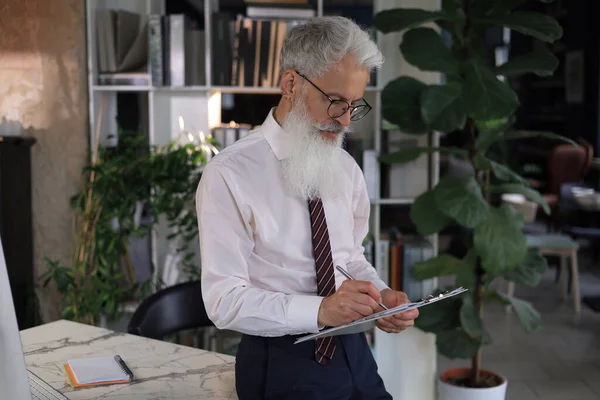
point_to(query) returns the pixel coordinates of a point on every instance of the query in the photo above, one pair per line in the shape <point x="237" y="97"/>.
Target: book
<point x="97" y="371"/>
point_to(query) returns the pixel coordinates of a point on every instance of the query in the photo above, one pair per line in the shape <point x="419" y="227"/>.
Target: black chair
<point x="170" y="310"/>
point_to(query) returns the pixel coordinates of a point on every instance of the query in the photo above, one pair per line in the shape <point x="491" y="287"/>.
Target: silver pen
<point x="347" y="275"/>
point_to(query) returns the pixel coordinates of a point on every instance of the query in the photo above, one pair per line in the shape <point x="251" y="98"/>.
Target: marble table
<point x="162" y="370"/>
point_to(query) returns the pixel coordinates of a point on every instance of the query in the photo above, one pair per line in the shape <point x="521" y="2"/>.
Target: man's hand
<point x="352" y="301"/>
<point x="399" y="322"/>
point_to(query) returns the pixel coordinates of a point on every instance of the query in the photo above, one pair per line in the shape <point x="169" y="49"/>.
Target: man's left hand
<point x="399" y="322"/>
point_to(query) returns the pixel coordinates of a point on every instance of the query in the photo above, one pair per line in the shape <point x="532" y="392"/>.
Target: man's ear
<point x="289" y="84"/>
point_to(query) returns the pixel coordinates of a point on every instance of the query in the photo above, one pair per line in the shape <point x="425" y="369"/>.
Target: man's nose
<point x="344" y="120"/>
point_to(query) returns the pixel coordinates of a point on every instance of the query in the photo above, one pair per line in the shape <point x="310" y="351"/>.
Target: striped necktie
<point x="324" y="347"/>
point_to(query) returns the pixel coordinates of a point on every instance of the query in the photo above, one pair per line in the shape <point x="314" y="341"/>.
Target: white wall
<point x="43" y="94"/>
<point x="407" y="361"/>
<point x="394" y="66"/>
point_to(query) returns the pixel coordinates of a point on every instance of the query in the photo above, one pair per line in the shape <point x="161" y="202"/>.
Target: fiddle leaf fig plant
<point x="477" y="99"/>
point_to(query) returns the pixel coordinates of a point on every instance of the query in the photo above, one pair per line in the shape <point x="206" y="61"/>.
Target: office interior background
<point x="109" y="109"/>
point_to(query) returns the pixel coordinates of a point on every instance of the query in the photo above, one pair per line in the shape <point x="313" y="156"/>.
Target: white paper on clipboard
<point x="367" y="323"/>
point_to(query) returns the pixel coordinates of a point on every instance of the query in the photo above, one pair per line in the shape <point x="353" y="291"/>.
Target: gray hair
<point x="314" y="47"/>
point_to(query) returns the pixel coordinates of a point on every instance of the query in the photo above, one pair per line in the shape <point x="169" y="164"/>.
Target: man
<point x="279" y="209"/>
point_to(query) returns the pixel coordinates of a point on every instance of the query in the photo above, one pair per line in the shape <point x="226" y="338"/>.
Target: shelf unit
<point x="200" y="106"/>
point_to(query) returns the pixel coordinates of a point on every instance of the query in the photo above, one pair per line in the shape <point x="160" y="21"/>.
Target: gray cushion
<point x="555" y="242"/>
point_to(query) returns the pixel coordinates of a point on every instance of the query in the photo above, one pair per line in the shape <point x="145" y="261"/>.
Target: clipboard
<point x="366" y="323"/>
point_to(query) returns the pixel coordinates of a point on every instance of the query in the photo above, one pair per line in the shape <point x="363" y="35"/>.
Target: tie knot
<point x="314" y="201"/>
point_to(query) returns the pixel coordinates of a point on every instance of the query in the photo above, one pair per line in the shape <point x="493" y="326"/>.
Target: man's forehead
<point x="349" y="88"/>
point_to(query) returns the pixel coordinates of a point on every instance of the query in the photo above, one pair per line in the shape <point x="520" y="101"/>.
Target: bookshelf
<point x="206" y="105"/>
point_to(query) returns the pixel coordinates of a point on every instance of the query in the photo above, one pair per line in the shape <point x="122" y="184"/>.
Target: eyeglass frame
<point x="331" y="101"/>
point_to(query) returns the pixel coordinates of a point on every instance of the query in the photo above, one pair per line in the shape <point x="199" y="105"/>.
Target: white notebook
<point x="98" y="371"/>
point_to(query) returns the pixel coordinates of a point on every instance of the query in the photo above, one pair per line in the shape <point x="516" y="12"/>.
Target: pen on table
<point x="347" y="275"/>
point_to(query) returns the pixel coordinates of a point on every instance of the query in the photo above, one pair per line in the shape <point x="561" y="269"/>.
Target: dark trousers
<point x="276" y="368"/>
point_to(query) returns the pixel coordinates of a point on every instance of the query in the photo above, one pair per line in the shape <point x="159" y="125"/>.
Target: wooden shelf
<point x="121" y="88"/>
<point x="246" y="89"/>
<point x="181" y="88"/>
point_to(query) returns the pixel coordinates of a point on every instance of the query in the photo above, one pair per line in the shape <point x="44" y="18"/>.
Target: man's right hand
<point x="352" y="301"/>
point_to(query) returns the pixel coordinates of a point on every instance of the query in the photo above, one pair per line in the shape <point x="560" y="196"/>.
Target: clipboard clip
<point x="427" y="299"/>
<point x="431" y="297"/>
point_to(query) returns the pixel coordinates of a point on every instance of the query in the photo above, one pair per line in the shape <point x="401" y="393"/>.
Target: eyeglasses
<point x="337" y="108"/>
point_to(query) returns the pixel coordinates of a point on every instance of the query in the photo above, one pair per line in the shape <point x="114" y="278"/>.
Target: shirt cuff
<point x="303" y="313"/>
<point x="380" y="285"/>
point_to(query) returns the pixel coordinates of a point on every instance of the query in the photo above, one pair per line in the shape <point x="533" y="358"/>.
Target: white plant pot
<point x="447" y="391"/>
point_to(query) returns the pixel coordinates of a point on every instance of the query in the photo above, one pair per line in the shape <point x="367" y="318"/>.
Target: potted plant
<point x="126" y="191"/>
<point x="474" y="100"/>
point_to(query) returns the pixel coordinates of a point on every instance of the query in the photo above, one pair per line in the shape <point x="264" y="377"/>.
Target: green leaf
<point x="451" y="118"/>
<point x="486" y="97"/>
<point x="487" y="339"/>
<point x="530" y="271"/>
<point x="456" y="343"/>
<point x="500" y="171"/>
<point x="529" y="318"/>
<point x="490" y="133"/>
<point x="470" y="319"/>
<point x="541" y="63"/>
<point x="401" y="100"/>
<point x="451" y="6"/>
<point x="537" y="25"/>
<point x="466" y="276"/>
<point x="499" y="240"/>
<point x="426" y="216"/>
<point x="456" y="27"/>
<point x="398" y="19"/>
<point x="460" y="198"/>
<point x="444" y="264"/>
<point x="439" y="316"/>
<point x="411" y="154"/>
<point x="456" y="23"/>
<point x="495" y="7"/>
<point x="504" y="173"/>
<point x="530" y="194"/>
<point x="436" y="98"/>
<point x="487" y="138"/>
<point x="498" y="125"/>
<point x="437" y="57"/>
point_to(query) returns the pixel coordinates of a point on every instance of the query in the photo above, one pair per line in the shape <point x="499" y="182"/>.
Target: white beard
<point x="313" y="169"/>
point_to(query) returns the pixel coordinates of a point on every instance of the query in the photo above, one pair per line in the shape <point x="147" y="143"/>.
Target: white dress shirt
<point x="258" y="269"/>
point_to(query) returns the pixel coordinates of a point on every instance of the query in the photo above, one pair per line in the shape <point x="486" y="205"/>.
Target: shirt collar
<point x="275" y="136"/>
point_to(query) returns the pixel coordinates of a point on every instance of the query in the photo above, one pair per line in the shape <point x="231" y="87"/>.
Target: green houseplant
<point x="472" y="99"/>
<point x="162" y="180"/>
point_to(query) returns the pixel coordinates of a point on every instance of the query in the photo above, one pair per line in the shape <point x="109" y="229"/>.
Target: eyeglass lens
<point x="339" y="108"/>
